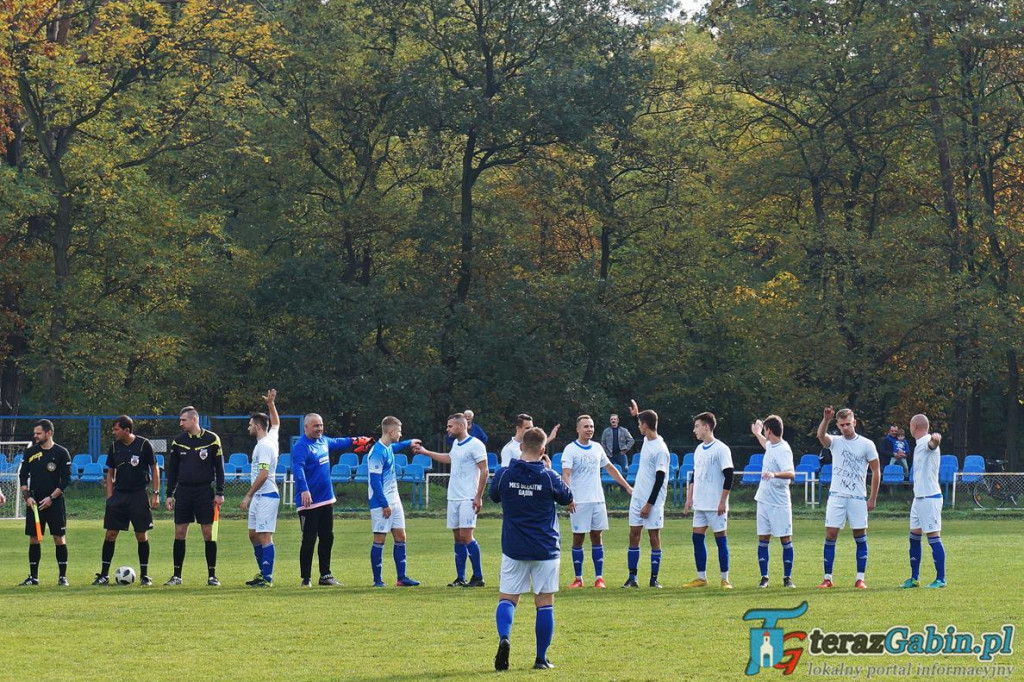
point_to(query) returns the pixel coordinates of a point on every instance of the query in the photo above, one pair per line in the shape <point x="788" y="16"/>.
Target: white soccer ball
<point x="125" y="575"/>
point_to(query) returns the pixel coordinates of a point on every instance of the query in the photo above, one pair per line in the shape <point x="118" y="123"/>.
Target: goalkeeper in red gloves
<point x="314" y="494"/>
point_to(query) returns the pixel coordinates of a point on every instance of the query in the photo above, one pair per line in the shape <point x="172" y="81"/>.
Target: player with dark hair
<point x="528" y="491"/>
<point x="774" y="505"/>
<point x="44" y="477"/>
<point x="468" y="459"/>
<point x="131" y="466"/>
<point x="647" y="503"/>
<point x="194" y="461"/>
<point x="314" y="495"/>
<point x="708" y="496"/>
<point x="263" y="499"/>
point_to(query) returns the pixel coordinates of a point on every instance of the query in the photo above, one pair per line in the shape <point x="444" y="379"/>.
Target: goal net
<point x="11" y="454"/>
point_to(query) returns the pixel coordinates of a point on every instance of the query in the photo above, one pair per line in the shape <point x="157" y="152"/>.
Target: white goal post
<point x="9" y="451"/>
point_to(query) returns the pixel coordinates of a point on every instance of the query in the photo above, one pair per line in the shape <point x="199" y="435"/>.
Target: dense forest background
<point x="415" y="206"/>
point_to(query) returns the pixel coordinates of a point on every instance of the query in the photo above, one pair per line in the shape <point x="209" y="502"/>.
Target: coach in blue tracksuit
<point x="314" y="494"/>
<point x="528" y="491"/>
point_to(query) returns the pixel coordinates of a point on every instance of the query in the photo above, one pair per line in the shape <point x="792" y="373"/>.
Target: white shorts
<point x="263" y="513"/>
<point x="775" y="520"/>
<point x="382" y="525"/>
<point x="926" y="514"/>
<point x="461" y="514"/>
<point x="589" y="516"/>
<point x="717" y="523"/>
<point x="841" y="509"/>
<point x="518" y="576"/>
<point x="655" y="519"/>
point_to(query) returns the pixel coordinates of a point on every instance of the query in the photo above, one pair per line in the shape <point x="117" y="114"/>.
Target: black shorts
<point x="193" y="503"/>
<point x="125" y="507"/>
<point x="55" y="516"/>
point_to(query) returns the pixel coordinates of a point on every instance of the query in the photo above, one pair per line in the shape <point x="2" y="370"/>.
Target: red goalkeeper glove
<point x="362" y="444"/>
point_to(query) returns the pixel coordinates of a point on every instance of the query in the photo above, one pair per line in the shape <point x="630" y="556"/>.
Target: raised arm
<point x="757" y="428"/>
<point x="826" y="419"/>
<point x="275" y="419"/>
<point x="933" y="442"/>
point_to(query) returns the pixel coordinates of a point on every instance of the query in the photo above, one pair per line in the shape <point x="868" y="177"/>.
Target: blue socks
<point x="915" y="556"/>
<point x="862" y="553"/>
<point x="577" y="561"/>
<point x="544" y="628"/>
<point x="257" y="549"/>
<point x="830" y="556"/>
<point x="762" y="557"/>
<point x="633" y="558"/>
<point x="461" y="551"/>
<point x="503" y="616"/>
<point x="267" y="562"/>
<point x="723" y="553"/>
<point x="655" y="562"/>
<point x="787" y="559"/>
<point x="700" y="552"/>
<point x="597" y="552"/>
<point x="398" y="552"/>
<point x="376" y="559"/>
<point x="474" y="555"/>
<point x="939" y="556"/>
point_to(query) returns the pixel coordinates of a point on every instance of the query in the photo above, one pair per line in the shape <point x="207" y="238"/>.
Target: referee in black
<point x="131" y="465"/>
<point x="44" y="477"/>
<point x="194" y="461"/>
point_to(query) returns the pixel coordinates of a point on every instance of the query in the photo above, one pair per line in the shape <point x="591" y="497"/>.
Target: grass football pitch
<point x="195" y="632"/>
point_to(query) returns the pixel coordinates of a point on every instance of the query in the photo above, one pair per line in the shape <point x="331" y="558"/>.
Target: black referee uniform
<point x="46" y="474"/>
<point x="132" y="467"/>
<point x="193" y="463"/>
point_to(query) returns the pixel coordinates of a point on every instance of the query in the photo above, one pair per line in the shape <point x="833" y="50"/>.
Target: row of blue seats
<point x="343" y="473"/>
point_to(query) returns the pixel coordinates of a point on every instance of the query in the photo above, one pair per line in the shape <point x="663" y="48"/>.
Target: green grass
<point x="358" y="633"/>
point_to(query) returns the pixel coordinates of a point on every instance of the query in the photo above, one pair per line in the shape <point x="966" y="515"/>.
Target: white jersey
<point x="709" y="459"/>
<point x="926" y="468"/>
<point x="265" y="454"/>
<point x="512" y="450"/>
<point x="777" y="457"/>
<point x="585" y="462"/>
<point x="465" y="478"/>
<point x="654" y="457"/>
<point x="850" y="459"/>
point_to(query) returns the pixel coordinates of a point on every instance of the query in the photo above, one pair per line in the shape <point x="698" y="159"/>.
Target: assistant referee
<point x="194" y="461"/>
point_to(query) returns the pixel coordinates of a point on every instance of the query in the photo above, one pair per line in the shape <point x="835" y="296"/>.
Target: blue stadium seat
<point x="673" y="459"/>
<point x="415" y="474"/>
<point x="892" y="474"/>
<point x="556" y="462"/>
<point x="240" y="460"/>
<point x="285" y="458"/>
<point x="78" y="463"/>
<point x="401" y="460"/>
<point x="101" y="460"/>
<point x="751" y="474"/>
<point x="688" y="459"/>
<point x="94" y="473"/>
<point x="281" y="472"/>
<point x="341" y="473"/>
<point x="757" y="460"/>
<point x="160" y="461"/>
<point x="362" y="474"/>
<point x="606" y="478"/>
<point x="424" y="461"/>
<point x="810" y="460"/>
<point x="349" y="458"/>
<point x="231" y="471"/>
<point x="804" y="472"/>
<point x="973" y="466"/>
<point x="631" y="472"/>
<point x="492" y="462"/>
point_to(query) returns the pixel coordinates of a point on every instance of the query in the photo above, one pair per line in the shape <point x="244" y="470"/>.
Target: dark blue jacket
<point x="528" y="492"/>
